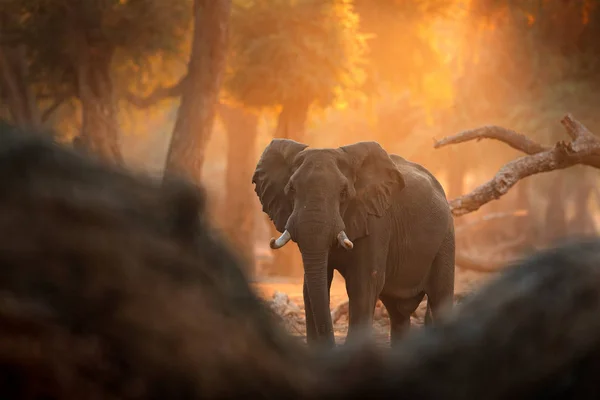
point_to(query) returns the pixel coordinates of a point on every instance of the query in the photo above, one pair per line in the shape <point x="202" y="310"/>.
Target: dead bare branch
<point x="159" y="94"/>
<point x="513" y="139"/>
<point x="583" y="149"/>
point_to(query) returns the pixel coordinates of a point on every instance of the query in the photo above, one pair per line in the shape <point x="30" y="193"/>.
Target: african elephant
<point x="383" y="222"/>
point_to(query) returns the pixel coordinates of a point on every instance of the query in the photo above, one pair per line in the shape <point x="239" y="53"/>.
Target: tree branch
<point x="583" y="149"/>
<point x="513" y="139"/>
<point x="53" y="107"/>
<point x="159" y="94"/>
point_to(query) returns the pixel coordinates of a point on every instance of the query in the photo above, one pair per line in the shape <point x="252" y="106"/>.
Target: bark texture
<point x="195" y="117"/>
<point x="584" y="148"/>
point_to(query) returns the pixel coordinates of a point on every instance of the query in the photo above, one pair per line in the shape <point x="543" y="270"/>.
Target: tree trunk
<point x="582" y="222"/>
<point x="196" y="113"/>
<point x="17" y="94"/>
<point x="456" y="177"/>
<point x="238" y="218"/>
<point x="100" y="131"/>
<point x="291" y="124"/>
<point x="523" y="226"/>
<point x="555" y="223"/>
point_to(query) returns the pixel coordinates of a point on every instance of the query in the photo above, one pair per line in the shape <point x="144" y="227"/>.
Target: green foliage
<point x="286" y="50"/>
<point x="59" y="33"/>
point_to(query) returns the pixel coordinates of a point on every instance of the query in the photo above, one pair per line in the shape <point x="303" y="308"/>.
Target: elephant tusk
<point x="280" y="241"/>
<point x="344" y="241"/>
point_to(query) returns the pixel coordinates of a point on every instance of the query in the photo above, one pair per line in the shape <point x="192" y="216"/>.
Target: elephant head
<point x="321" y="198"/>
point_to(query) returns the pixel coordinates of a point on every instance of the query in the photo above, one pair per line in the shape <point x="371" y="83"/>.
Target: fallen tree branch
<point x="583" y="149"/>
<point x="513" y="139"/>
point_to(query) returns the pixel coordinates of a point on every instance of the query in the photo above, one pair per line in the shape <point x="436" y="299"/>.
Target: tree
<point x="401" y="50"/>
<point x="583" y="149"/>
<point x="283" y="54"/>
<point x="291" y="55"/>
<point x="524" y="64"/>
<point x="71" y="48"/>
<point x="199" y="95"/>
<point x="16" y="94"/>
<point x="198" y="91"/>
<point x="240" y="207"/>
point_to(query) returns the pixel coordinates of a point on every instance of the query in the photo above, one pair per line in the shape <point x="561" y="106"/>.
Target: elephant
<point x="381" y="221"/>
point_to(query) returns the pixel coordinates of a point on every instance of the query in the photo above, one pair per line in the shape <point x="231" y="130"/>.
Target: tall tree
<point x="293" y="54"/>
<point x="72" y="46"/>
<point x="199" y="97"/>
<point x="535" y="61"/>
<point x="289" y="56"/>
<point x="401" y="50"/>
<point x="240" y="207"/>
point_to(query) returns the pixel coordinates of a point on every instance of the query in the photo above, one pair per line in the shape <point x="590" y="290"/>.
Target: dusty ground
<point x="293" y="311"/>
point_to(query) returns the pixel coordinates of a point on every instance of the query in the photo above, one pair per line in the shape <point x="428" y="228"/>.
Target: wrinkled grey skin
<point x="400" y="232"/>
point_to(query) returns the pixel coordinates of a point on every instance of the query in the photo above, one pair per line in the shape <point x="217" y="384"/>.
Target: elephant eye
<point x="291" y="189"/>
<point x="344" y="193"/>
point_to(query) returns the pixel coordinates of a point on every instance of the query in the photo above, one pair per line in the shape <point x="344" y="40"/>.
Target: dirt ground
<point x="465" y="282"/>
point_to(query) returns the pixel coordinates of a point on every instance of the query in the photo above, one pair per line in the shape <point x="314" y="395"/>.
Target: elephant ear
<point x="271" y="175"/>
<point x="376" y="179"/>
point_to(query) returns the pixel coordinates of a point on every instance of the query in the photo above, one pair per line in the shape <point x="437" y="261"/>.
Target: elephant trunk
<point x="316" y="231"/>
<point x="315" y="278"/>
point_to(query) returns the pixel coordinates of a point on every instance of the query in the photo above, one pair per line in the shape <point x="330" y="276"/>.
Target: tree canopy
<point x="402" y="49"/>
<point x="282" y="50"/>
<point x="55" y="33"/>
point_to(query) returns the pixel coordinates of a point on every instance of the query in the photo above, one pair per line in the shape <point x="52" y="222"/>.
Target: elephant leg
<point x="440" y="290"/>
<point x="311" y="329"/>
<point x="400" y="311"/>
<point x="363" y="291"/>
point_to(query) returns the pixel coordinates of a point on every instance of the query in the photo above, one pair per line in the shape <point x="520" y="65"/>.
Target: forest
<point x="199" y="88"/>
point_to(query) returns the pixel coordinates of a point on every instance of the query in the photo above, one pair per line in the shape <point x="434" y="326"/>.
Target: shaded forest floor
<point x="285" y="297"/>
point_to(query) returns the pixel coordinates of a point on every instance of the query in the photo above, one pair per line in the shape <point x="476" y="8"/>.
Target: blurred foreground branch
<point x="584" y="148"/>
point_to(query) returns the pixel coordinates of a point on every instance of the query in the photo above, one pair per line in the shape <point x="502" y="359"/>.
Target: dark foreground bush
<point x="112" y="286"/>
